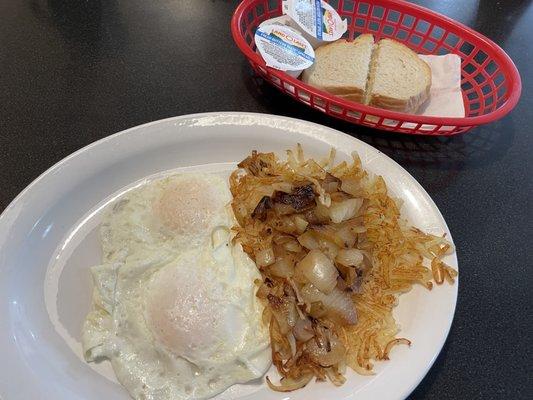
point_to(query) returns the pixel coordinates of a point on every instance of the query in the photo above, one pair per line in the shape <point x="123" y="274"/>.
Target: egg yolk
<point x="183" y="312"/>
<point x="186" y="206"/>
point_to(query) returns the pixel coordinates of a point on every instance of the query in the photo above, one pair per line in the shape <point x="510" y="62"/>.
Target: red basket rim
<point x="515" y="87"/>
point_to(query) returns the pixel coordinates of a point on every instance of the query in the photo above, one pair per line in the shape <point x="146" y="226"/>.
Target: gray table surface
<point x="72" y="72"/>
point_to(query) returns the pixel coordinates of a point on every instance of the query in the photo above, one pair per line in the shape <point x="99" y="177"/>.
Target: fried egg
<point x="179" y="211"/>
<point x="174" y="305"/>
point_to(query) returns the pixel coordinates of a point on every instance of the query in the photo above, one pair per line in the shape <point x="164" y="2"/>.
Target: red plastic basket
<point x="490" y="81"/>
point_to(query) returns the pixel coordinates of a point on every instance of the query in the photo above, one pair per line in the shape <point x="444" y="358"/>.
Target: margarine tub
<point x="318" y="22"/>
<point x="282" y="20"/>
<point x="284" y="48"/>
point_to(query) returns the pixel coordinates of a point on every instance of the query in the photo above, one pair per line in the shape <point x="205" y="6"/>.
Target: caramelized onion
<point x="264" y="257"/>
<point x="292" y="314"/>
<point x="337" y="303"/>
<point x="303" y="330"/>
<point x="331" y="183"/>
<point x="296" y="291"/>
<point x="283" y="267"/>
<point x="310" y="293"/>
<point x="326" y="232"/>
<point x="317" y="310"/>
<point x="300" y="223"/>
<point x="328" y="247"/>
<point x="335" y="377"/>
<point x="282" y="187"/>
<point x="349" y="257"/>
<point x="281" y="238"/>
<point x="356" y="281"/>
<point x="284" y="223"/>
<point x="308" y="241"/>
<point x="339" y="196"/>
<point x="322" y="213"/>
<point x="346" y="236"/>
<point x="283" y="209"/>
<point x="319" y="270"/>
<point x="342" y="285"/>
<point x="289" y="385"/>
<point x="260" y="211"/>
<point x="340" y="304"/>
<point x="326" y="354"/>
<point x="344" y="210"/>
<point x="292" y="343"/>
<point x="301" y="198"/>
<point x="263" y="291"/>
<point x="292" y="246"/>
<point x="393" y="343"/>
<point x="352" y="186"/>
<point x="283" y="313"/>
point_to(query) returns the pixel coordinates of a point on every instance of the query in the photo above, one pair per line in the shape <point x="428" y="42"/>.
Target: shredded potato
<point x="334" y="254"/>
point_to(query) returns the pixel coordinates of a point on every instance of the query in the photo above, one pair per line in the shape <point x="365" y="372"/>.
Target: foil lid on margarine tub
<point x="284" y="48"/>
<point x="282" y="20"/>
<point x="318" y="21"/>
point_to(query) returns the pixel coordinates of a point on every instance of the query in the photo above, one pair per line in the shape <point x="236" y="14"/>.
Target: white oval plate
<point x="48" y="240"/>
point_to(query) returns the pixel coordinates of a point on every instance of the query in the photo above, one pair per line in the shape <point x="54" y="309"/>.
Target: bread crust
<point x="409" y="106"/>
<point x="364" y="95"/>
<point x="357" y="97"/>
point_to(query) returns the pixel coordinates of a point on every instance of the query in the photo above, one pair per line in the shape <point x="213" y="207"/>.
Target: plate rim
<point x="327" y="131"/>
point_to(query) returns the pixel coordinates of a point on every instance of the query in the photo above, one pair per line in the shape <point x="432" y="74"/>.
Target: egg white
<point x="174" y="306"/>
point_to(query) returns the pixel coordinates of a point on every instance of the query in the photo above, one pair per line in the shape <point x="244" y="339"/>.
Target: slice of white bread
<point x="342" y="67"/>
<point x="398" y="80"/>
<point x="387" y="75"/>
